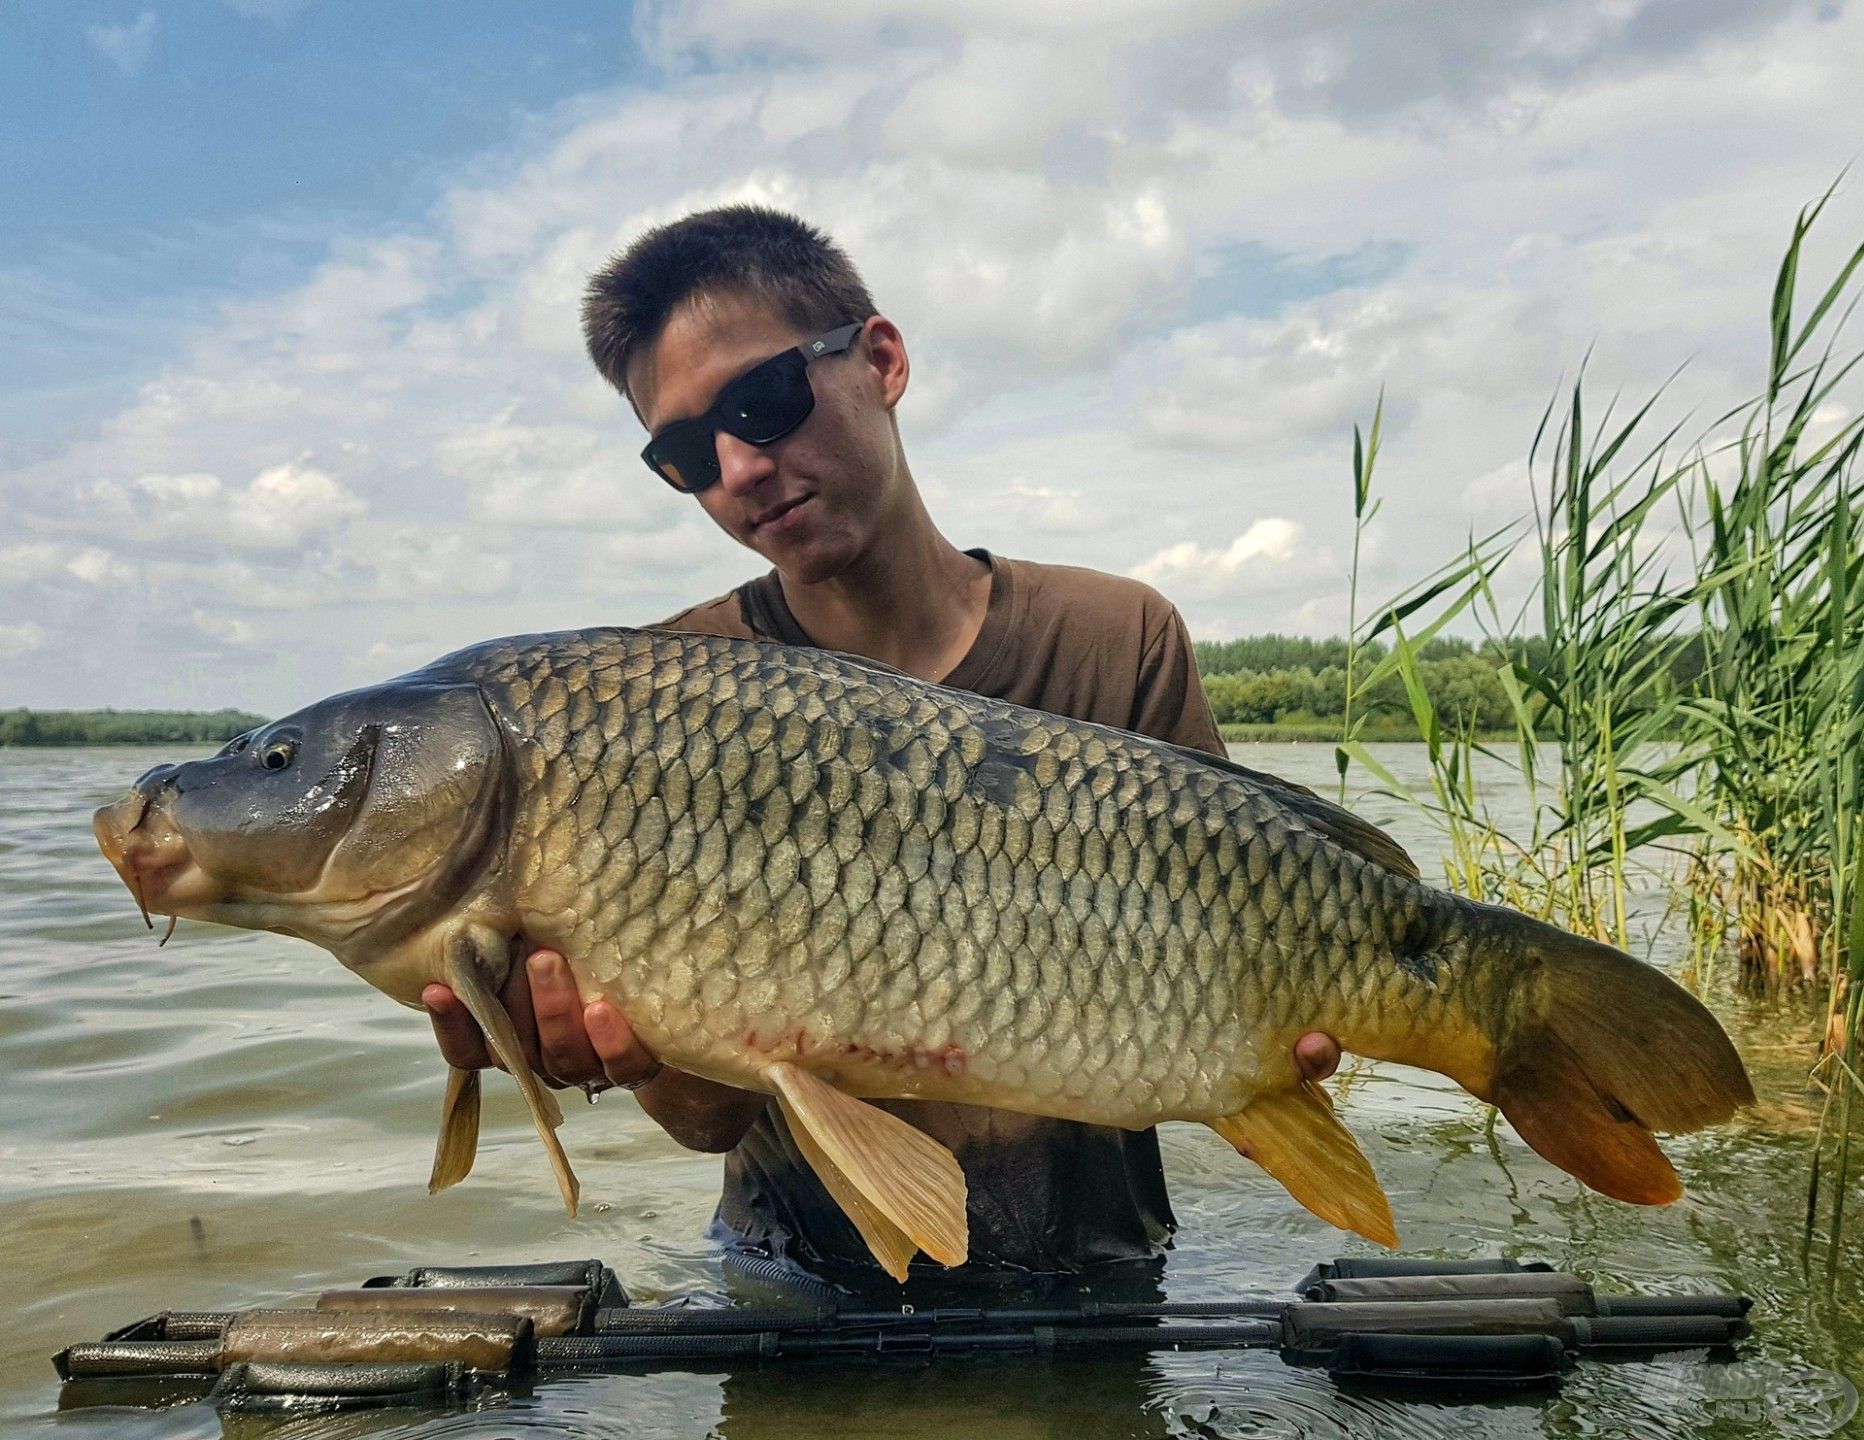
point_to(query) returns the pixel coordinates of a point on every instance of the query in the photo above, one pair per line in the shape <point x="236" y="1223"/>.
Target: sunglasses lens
<point x="686" y="458"/>
<point x="762" y="405"/>
<point x="766" y="403"/>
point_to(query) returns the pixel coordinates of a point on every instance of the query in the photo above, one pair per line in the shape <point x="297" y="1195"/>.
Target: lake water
<point x="233" y="1120"/>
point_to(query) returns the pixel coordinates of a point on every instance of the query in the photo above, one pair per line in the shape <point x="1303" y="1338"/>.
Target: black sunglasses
<point x="760" y="407"/>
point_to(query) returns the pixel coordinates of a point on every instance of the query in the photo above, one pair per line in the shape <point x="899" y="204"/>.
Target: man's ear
<point x="886" y="353"/>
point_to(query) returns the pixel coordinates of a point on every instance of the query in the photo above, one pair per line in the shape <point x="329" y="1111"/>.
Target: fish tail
<point x="1597" y="1051"/>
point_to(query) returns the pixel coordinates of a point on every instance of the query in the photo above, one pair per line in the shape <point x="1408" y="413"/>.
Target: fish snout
<point x="141" y="842"/>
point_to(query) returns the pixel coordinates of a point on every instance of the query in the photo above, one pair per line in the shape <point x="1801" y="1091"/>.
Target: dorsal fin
<point x="1341" y="826"/>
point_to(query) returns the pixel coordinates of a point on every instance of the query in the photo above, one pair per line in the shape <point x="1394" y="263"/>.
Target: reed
<point x="1701" y="686"/>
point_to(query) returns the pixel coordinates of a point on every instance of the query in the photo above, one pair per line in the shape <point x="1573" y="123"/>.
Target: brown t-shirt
<point x="1043" y="1194"/>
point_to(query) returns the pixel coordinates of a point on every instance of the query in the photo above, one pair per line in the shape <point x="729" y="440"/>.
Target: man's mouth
<point x="776" y="515"/>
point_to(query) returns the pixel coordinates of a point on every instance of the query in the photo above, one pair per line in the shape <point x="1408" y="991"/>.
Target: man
<point x="750" y="349"/>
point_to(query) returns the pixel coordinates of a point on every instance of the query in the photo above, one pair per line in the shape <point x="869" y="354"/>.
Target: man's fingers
<point x="568" y="1057"/>
<point x="1316" y="1055"/>
<point x="625" y="1060"/>
<point x="461" y="1044"/>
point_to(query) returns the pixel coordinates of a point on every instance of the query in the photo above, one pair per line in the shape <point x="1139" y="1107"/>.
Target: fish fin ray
<point x="466" y="962"/>
<point x="1296" y="1137"/>
<point x="458" y="1143"/>
<point x="891" y="1246"/>
<point x="1554" y="1105"/>
<point x="903" y="1173"/>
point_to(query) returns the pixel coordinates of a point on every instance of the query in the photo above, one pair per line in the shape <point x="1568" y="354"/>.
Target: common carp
<point x="808" y="874"/>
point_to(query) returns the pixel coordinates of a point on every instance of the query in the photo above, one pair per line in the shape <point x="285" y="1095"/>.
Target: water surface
<point x="233" y="1120"/>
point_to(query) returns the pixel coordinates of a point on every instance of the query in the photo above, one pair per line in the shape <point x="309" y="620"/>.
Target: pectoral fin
<point x="901" y="1188"/>
<point x="468" y="958"/>
<point x="458" y="1144"/>
<point x="1296" y="1137"/>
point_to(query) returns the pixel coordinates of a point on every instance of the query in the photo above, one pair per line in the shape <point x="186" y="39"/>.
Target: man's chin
<point x="808" y="560"/>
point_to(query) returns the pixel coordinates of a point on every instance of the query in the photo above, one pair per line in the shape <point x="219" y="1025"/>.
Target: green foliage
<point x="1462" y="679"/>
<point x="123" y="727"/>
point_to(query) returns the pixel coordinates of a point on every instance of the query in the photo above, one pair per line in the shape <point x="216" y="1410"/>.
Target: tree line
<point x="1293" y="681"/>
<point x="123" y="727"/>
<point x="1289" y="681"/>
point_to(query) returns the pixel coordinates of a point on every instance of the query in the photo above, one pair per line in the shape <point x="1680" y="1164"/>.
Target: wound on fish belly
<point x="952" y="1059"/>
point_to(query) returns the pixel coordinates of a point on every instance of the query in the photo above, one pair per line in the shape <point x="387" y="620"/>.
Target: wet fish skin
<point x="764" y="853"/>
<point x="808" y="874"/>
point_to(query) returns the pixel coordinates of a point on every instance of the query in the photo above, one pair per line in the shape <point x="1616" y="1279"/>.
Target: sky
<point x="292" y="394"/>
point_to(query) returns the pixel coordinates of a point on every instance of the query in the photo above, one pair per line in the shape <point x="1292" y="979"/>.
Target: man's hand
<point x="570" y="1043"/>
<point x="1316" y="1055"/>
<point x="566" y="1042"/>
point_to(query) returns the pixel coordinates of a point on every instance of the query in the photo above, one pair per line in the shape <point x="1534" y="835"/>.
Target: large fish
<point x="810" y="875"/>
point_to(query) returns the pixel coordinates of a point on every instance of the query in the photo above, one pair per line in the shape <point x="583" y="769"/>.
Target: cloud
<point x="229" y="630"/>
<point x="46" y="560"/>
<point x="16" y="640"/>
<point x="1153" y="262"/>
<point x="278" y="509"/>
<point x="1266" y="545"/>
<point x="125" y="46"/>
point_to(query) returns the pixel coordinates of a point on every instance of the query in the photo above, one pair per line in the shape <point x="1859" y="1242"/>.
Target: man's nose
<point x="742" y="466"/>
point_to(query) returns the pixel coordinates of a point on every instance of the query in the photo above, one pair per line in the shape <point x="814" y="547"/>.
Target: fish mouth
<point x="151" y="857"/>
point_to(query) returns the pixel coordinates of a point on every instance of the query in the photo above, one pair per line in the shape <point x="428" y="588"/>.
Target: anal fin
<point x="458" y="1142"/>
<point x="900" y="1187"/>
<point x="1296" y="1137"/>
<point x="468" y="956"/>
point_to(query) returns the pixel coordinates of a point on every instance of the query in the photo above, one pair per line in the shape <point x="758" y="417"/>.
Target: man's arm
<point x="573" y="1044"/>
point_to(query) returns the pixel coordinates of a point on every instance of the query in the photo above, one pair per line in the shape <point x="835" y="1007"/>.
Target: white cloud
<point x="43" y="560"/>
<point x="229" y="630"/>
<point x="125" y="46"/>
<point x="1265" y="546"/>
<point x="37" y="560"/>
<point x="16" y="640"/>
<point x="550" y="475"/>
<point x="278" y="509"/>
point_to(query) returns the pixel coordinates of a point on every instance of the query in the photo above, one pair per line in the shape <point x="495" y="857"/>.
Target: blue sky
<point x="292" y="396"/>
<point x="160" y="157"/>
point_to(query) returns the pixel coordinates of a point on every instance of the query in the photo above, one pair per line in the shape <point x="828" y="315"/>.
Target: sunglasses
<point x="760" y="407"/>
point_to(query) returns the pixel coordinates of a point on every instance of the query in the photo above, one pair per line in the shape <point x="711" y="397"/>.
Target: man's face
<point x="811" y="502"/>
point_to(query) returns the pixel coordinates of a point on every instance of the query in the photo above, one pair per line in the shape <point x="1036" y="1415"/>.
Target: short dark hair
<point x="745" y="249"/>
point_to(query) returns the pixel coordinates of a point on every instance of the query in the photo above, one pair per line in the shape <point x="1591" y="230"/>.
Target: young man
<point x="751" y="351"/>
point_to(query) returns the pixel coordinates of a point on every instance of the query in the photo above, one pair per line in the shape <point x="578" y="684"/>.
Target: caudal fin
<point x="1608" y="1051"/>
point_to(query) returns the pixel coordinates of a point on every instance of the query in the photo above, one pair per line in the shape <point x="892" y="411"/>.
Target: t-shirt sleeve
<point x="722" y="615"/>
<point x="1168" y="702"/>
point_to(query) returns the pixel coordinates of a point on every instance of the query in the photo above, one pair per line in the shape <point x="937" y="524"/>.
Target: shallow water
<point x="234" y="1120"/>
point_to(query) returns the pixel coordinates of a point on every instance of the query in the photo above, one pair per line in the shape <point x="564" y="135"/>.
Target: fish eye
<point x="278" y="754"/>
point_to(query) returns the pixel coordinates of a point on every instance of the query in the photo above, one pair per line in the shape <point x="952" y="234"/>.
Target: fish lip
<point x="152" y="860"/>
<point x="778" y="510"/>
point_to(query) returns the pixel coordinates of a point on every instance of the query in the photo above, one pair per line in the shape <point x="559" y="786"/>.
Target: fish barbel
<point x="810" y="875"/>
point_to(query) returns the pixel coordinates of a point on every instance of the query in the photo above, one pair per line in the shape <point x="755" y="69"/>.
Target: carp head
<point x="352" y="824"/>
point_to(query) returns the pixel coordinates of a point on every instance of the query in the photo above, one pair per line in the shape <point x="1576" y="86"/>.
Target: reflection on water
<point x="233" y="1120"/>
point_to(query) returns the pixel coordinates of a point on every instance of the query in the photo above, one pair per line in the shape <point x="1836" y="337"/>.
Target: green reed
<point x="1702" y="684"/>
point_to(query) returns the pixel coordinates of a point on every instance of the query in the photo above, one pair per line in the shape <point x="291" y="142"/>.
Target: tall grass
<point x="1738" y="781"/>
